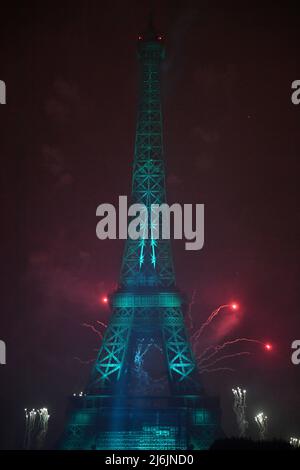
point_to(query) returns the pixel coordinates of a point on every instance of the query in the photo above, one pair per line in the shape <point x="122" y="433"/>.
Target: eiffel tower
<point x="144" y="390"/>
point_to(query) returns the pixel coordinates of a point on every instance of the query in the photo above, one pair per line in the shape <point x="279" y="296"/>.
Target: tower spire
<point x="150" y="26"/>
<point x="150" y="34"/>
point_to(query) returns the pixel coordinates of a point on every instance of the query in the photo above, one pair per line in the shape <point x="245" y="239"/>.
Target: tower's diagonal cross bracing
<point x="144" y="391"/>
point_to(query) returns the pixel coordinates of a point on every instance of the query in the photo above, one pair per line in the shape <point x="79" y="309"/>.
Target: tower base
<point x="188" y="422"/>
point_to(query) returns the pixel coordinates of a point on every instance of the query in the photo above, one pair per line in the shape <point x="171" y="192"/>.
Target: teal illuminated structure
<point x="144" y="391"/>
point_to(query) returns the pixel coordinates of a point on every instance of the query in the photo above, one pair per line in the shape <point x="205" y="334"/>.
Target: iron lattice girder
<point x="114" y="347"/>
<point x="110" y="363"/>
<point x="180" y="357"/>
<point x="147" y="262"/>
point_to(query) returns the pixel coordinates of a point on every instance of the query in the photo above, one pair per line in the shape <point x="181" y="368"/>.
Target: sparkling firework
<point x="239" y="408"/>
<point x="294" y="441"/>
<point x="36" y="428"/>
<point x="211" y="351"/>
<point x="30" y="417"/>
<point x="80" y="394"/>
<point x="261" y="421"/>
<point x="227" y="356"/>
<point x="197" y="334"/>
<point x="216" y="349"/>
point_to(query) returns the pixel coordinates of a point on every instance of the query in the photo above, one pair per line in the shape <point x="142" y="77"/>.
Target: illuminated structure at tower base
<point x="143" y="423"/>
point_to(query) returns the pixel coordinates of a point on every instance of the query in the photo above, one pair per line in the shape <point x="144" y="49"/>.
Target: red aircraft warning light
<point x="268" y="346"/>
<point x="104" y="299"/>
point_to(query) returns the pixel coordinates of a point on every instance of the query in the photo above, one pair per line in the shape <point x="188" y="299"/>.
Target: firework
<point x="101" y="323"/>
<point x="239" y="408"/>
<point x="261" y="421"/>
<point x="215" y="349"/>
<point x="222" y="358"/>
<point x="36" y="428"/>
<point x="212" y="316"/>
<point x="295" y="442"/>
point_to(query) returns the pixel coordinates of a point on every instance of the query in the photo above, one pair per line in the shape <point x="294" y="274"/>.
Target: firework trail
<point x="87" y="325"/>
<point x="261" y="421"/>
<point x="30" y="417"/>
<point x="219" y="347"/>
<point x="227" y="356"/>
<point x="101" y="323"/>
<point x="98" y="333"/>
<point x="239" y="408"/>
<point x="189" y="312"/>
<point x="43" y="427"/>
<point x="82" y="361"/>
<point x="218" y="369"/>
<point x="36" y="428"/>
<point x="211" y="317"/>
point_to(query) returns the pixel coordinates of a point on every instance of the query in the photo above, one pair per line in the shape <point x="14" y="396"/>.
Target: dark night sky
<point x="232" y="143"/>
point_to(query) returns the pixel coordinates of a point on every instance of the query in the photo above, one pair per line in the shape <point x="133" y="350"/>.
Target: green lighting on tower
<point x="117" y="410"/>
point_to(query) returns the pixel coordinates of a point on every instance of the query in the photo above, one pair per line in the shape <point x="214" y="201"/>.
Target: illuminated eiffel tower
<point x="145" y="391"/>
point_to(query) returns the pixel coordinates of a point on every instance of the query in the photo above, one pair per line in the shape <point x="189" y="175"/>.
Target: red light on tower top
<point x="268" y="346"/>
<point x="104" y="299"/>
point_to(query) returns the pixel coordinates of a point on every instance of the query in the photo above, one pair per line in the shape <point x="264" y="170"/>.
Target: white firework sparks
<point x="36" y="428"/>
<point x="239" y="408"/>
<point x="261" y="420"/>
<point x="295" y="442"/>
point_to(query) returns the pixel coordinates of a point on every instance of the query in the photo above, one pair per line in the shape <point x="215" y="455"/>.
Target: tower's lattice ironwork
<point x="147" y="317"/>
<point x="147" y="281"/>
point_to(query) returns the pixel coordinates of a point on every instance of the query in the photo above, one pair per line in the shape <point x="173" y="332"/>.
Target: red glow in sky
<point x="104" y="299"/>
<point x="268" y="346"/>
